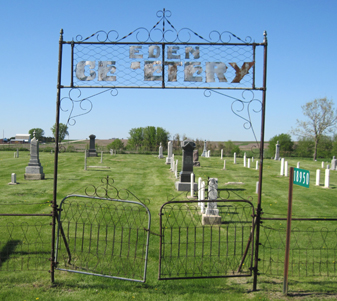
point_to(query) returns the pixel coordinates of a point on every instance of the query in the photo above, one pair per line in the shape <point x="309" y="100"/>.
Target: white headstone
<point x="13" y="178"/>
<point x="176" y="170"/>
<point x="282" y="167"/>
<point x="202" y="197"/>
<point x="257" y="187"/>
<point x="169" y="153"/>
<point x="257" y="165"/>
<point x="199" y="190"/>
<point x="17" y="153"/>
<point x="327" y="178"/>
<point x="244" y="160"/>
<point x="221" y="154"/>
<point x="252" y="159"/>
<point x="333" y="163"/>
<point x="318" y="176"/>
<point x="212" y="208"/>
<point x="224" y="164"/>
<point x="160" y="156"/>
<point x="286" y="168"/>
<point x="298" y="164"/>
<point x="234" y="158"/>
<point x="323" y="164"/>
<point x="192" y="185"/>
<point x="248" y="163"/>
<point x="208" y="154"/>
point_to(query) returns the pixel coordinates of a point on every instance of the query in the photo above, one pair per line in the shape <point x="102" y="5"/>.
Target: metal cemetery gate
<point x="191" y="249"/>
<point x="103" y="237"/>
<point x="163" y="58"/>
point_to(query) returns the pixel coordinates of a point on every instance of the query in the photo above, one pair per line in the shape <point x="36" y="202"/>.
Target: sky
<point x="301" y="66"/>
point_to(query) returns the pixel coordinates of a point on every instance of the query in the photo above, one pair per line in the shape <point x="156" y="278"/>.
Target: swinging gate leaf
<point x="189" y="249"/>
<point x="103" y="237"/>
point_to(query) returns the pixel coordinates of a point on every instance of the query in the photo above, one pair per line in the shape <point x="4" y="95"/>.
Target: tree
<point x="136" y="138"/>
<point x="39" y="133"/>
<point x="286" y="145"/>
<point x="63" y="131"/>
<point x="230" y="148"/>
<point x="322" y="119"/>
<point x="116" y="144"/>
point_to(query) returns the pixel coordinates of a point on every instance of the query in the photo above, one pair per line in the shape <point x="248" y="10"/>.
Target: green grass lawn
<point x="148" y="178"/>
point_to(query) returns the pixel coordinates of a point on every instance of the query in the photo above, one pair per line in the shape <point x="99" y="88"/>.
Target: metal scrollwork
<point x="85" y="104"/>
<point x="164" y="35"/>
<point x="107" y="190"/>
<point x="238" y="106"/>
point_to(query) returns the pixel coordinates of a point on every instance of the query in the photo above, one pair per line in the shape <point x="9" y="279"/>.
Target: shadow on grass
<point x="7" y="250"/>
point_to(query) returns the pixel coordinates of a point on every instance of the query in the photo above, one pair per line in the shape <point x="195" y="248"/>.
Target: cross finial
<point x="34" y="133"/>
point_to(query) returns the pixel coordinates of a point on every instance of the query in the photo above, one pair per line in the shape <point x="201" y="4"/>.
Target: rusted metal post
<point x="259" y="209"/>
<point x="286" y="258"/>
<point x="57" y="123"/>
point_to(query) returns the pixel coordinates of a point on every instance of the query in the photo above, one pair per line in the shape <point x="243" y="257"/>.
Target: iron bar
<point x="54" y="204"/>
<point x="286" y="259"/>
<point x="259" y="208"/>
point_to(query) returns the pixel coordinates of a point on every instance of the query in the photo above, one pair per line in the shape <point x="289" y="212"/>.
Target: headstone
<point x="323" y="164"/>
<point x="199" y="190"/>
<point x="234" y="158"/>
<point x="318" y="176"/>
<point x="196" y="158"/>
<point x="248" y="163"/>
<point x="92" y="151"/>
<point x="328" y="166"/>
<point x="257" y="187"/>
<point x="172" y="163"/>
<point x="34" y="170"/>
<point x="298" y="164"/>
<point x="101" y="157"/>
<point x="282" y="167"/>
<point x="327" y="178"/>
<point x="187" y="167"/>
<point x="333" y="163"/>
<point x="277" y="152"/>
<point x="169" y="153"/>
<point x="202" y="197"/>
<point x="221" y="154"/>
<point x="286" y="168"/>
<point x="244" y="160"/>
<point x="160" y="156"/>
<point x="224" y="164"/>
<point x="204" y="152"/>
<point x="252" y="159"/>
<point x="208" y="153"/>
<point x="192" y="185"/>
<point x="176" y="169"/>
<point x="257" y="165"/>
<point x="211" y="216"/>
<point x="17" y="153"/>
<point x="13" y="179"/>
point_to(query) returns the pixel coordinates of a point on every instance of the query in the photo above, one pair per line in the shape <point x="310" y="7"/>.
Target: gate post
<point x="259" y="209"/>
<point x="57" y="123"/>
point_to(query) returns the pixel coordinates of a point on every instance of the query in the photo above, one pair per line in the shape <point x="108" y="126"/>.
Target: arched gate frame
<point x="165" y="58"/>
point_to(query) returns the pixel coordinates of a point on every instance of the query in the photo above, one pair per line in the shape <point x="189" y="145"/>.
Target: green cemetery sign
<point x="301" y="177"/>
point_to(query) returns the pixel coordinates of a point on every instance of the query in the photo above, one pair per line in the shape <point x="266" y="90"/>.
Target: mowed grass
<point x="150" y="179"/>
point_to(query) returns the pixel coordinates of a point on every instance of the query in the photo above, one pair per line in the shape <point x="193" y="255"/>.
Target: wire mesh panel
<point x="313" y="248"/>
<point x="103" y="237"/>
<point x="195" y="245"/>
<point x="24" y="243"/>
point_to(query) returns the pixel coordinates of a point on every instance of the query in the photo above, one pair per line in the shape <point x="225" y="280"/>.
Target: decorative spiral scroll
<point x="238" y="107"/>
<point x="74" y="96"/>
<point x="107" y="190"/>
<point x="164" y="35"/>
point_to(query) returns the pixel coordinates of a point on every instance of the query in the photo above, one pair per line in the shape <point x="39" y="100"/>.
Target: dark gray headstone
<point x="92" y="148"/>
<point x="184" y="183"/>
